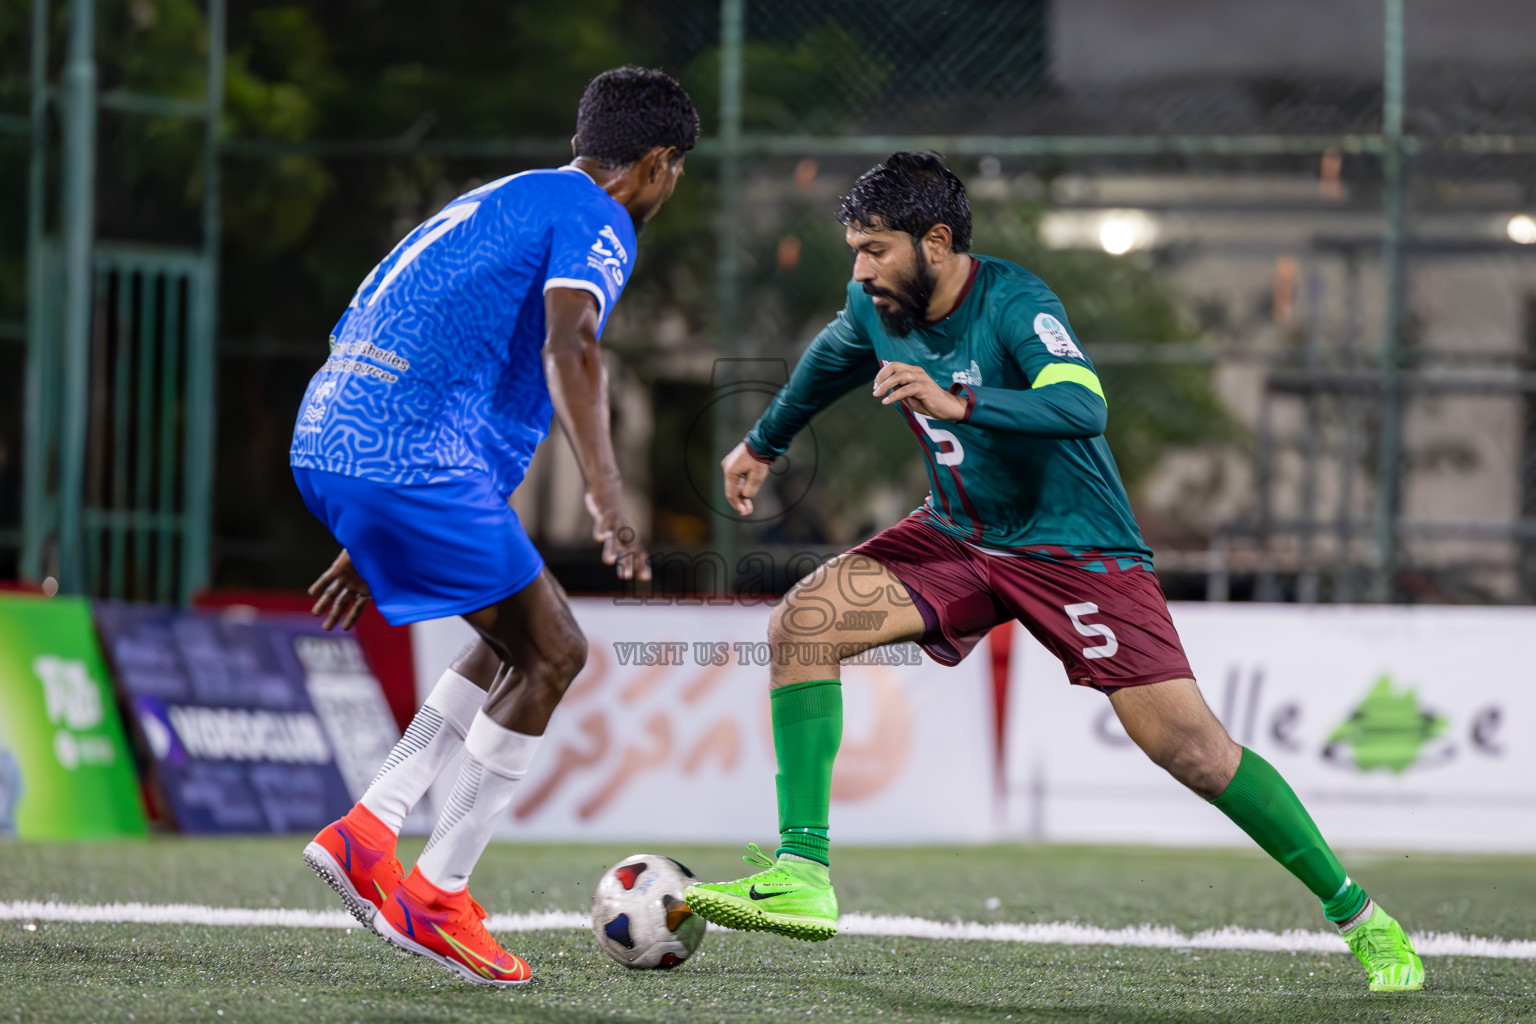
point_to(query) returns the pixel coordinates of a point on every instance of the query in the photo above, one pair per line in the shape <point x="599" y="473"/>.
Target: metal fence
<point x="1344" y="236"/>
<point x="118" y="418"/>
<point x="1297" y="242"/>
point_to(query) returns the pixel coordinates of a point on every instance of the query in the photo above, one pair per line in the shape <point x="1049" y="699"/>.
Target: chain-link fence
<point x="1296" y="240"/>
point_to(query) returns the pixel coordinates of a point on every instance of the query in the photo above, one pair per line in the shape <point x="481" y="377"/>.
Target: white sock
<point x="1361" y="916"/>
<point x="429" y="743"/>
<point x="495" y="761"/>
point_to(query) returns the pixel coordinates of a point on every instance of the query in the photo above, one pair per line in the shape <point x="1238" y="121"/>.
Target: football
<point x="639" y="916"/>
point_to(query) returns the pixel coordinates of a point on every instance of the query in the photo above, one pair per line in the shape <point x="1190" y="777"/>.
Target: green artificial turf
<point x="71" y="972"/>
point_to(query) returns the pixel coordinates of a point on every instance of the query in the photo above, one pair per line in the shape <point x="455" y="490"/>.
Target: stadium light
<point x="1116" y="236"/>
<point x="1115" y="231"/>
<point x="1522" y="229"/>
<point x="1120" y="231"/>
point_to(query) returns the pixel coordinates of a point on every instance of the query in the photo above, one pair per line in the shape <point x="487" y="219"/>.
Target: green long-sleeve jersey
<point x="1027" y="470"/>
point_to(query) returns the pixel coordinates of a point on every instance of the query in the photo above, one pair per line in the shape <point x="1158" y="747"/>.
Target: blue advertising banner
<point x="224" y="711"/>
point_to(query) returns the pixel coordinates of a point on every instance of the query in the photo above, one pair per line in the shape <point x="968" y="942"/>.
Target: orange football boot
<point x="447" y="927"/>
<point x="355" y="856"/>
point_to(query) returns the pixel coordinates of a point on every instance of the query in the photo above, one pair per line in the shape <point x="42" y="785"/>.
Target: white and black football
<point x="639" y="916"/>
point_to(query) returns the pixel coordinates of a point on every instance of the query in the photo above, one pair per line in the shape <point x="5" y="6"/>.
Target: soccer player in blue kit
<point x="443" y="374"/>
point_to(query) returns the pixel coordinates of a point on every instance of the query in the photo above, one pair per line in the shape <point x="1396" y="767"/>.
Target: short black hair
<point x="910" y="192"/>
<point x="627" y="112"/>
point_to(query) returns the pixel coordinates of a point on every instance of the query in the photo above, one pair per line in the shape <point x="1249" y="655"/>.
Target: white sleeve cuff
<point x="580" y="285"/>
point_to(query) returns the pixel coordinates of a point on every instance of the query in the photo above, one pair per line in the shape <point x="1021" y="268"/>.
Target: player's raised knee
<point x="777" y="632"/>
<point x="1205" y="768"/>
<point x="800" y="619"/>
<point x="566" y="660"/>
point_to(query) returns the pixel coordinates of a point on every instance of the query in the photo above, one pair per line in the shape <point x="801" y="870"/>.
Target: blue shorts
<point x="427" y="551"/>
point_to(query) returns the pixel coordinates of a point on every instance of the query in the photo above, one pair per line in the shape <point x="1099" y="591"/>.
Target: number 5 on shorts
<point x="1107" y="649"/>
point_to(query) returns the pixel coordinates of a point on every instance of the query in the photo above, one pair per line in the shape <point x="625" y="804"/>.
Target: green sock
<point x="1263" y="805"/>
<point x="807" y="730"/>
<point x="1346" y="903"/>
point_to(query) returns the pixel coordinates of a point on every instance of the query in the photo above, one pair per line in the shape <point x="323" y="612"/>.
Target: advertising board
<point x="1399" y="728"/>
<point x="66" y="771"/>
<point x="223" y="707"/>
<point x="348" y="700"/>
<point x="666" y="735"/>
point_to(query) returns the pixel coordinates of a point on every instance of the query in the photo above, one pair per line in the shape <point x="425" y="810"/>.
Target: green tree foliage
<point x="15" y="74"/>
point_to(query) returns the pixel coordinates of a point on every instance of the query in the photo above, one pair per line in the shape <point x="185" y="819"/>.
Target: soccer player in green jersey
<point x="1026" y="519"/>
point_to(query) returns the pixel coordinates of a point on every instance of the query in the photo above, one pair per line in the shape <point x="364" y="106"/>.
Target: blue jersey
<point x="435" y="369"/>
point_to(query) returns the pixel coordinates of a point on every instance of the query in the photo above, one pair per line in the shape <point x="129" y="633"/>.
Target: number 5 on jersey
<point x="952" y="455"/>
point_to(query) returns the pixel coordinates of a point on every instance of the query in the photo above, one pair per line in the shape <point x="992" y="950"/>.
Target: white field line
<point x="1152" y="936"/>
<point x="1145" y="936"/>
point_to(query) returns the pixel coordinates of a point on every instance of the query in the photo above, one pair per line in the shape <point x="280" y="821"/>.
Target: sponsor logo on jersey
<point x="612" y="238"/>
<point x="971" y="377"/>
<point x="1055" y="337"/>
<point x="368" y="350"/>
<point x="315" y="411"/>
<point x="609" y="258"/>
<point x="363" y="369"/>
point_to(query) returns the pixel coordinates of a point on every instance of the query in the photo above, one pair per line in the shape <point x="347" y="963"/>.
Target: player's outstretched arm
<point x="578" y="387"/>
<point x="340" y="593"/>
<point x="837" y="361"/>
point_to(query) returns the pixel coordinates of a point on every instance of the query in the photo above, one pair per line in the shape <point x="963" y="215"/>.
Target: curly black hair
<point x="910" y="192"/>
<point x="627" y="112"/>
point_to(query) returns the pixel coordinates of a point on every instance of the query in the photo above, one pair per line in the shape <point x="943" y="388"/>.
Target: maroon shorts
<point x="1110" y="629"/>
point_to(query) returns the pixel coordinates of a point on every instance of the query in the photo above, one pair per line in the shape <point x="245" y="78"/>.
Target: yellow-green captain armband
<point x="1069" y="373"/>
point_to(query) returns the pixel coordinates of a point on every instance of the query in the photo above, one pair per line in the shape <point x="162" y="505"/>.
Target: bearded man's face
<point x="893" y="270"/>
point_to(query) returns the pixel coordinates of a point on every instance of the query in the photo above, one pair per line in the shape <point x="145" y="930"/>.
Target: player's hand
<point x="612" y="528"/>
<point x="340" y="593"/>
<point x="912" y="387"/>
<point x="744" y="475"/>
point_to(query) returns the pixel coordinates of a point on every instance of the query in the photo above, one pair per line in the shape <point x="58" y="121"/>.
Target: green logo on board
<point x="1390" y="729"/>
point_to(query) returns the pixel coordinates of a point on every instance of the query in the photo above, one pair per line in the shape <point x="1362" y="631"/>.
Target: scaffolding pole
<point x="727" y="430"/>
<point x="203" y="338"/>
<point x="40" y="386"/>
<point x="79" y="221"/>
<point x="1389" y="486"/>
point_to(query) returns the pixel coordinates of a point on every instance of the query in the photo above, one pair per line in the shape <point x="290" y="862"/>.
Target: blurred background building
<point x="1298" y="241"/>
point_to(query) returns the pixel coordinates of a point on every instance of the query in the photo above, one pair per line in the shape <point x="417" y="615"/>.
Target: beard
<point x="911" y="295"/>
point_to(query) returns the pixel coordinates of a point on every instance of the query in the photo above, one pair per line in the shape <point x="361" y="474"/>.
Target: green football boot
<point x="789" y="896"/>
<point x="1383" y="946"/>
